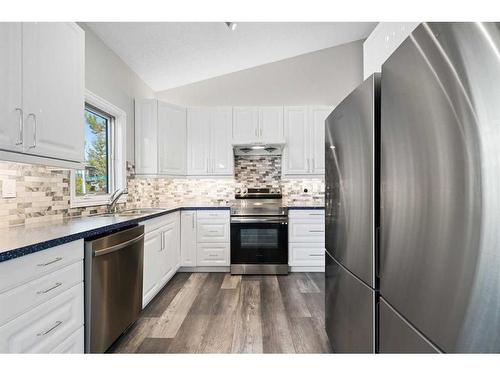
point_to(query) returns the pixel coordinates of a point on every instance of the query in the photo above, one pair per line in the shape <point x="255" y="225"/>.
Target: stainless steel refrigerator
<point x="351" y="217"/>
<point x="440" y="191"/>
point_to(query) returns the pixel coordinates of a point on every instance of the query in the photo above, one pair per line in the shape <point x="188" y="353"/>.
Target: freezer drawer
<point x="349" y="310"/>
<point x="396" y="336"/>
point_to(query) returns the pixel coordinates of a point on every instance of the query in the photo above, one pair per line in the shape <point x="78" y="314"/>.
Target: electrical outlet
<point x="9" y="189"/>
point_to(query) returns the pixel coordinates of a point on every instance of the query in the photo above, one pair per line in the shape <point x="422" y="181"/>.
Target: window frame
<point x="117" y="178"/>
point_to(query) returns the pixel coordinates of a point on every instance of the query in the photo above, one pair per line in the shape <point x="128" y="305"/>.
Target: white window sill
<point x="91" y="201"/>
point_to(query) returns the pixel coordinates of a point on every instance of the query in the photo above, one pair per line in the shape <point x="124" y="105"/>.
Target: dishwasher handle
<point x="118" y="246"/>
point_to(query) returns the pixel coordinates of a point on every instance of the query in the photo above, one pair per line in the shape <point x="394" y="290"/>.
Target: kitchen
<point x="190" y="215"/>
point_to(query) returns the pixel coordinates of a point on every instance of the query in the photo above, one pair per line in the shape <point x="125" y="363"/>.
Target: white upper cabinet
<point x="245" y="125"/>
<point x="171" y="139"/>
<point x="318" y="116"/>
<point x="42" y="67"/>
<point x="53" y="89"/>
<point x="146" y="136"/>
<point x="198" y="145"/>
<point x="209" y="141"/>
<point x="305" y="140"/>
<point x="221" y="150"/>
<point x="257" y="125"/>
<point x="271" y="124"/>
<point x="11" y="131"/>
<point x="160" y="138"/>
<point x="297" y="135"/>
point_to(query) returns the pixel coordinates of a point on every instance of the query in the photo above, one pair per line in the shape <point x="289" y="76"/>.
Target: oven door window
<point x="259" y="244"/>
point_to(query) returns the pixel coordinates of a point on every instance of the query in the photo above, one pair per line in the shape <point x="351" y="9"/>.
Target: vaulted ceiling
<point x="172" y="54"/>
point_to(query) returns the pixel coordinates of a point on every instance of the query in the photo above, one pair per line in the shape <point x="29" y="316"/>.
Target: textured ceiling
<point x="172" y="54"/>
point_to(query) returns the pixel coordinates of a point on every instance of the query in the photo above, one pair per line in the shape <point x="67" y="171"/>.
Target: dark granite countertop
<point x="26" y="239"/>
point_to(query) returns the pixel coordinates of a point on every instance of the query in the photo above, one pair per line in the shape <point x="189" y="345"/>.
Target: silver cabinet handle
<point x="317" y="255"/>
<point x="56" y="324"/>
<point x="308" y="167"/>
<point x="312" y="162"/>
<point x="162" y="242"/>
<point x="49" y="263"/>
<point x="316" y="231"/>
<point x="192" y="221"/>
<point x="21" y="126"/>
<point x="34" y="129"/>
<point x="316" y="214"/>
<point x="256" y="132"/>
<point x="213" y="231"/>
<point x="56" y="285"/>
<point x="212" y="255"/>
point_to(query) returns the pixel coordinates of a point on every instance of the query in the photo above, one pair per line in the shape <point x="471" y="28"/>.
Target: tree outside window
<point x="94" y="179"/>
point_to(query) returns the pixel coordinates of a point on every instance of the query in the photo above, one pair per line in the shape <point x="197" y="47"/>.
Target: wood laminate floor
<point x="220" y="313"/>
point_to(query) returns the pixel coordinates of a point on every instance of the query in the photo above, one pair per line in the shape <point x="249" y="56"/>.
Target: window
<point x="96" y="178"/>
<point x="104" y="154"/>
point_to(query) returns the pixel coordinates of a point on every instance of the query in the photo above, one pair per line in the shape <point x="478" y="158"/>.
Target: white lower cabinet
<point x="41" y="301"/>
<point x="161" y="253"/>
<point x="306" y="240"/>
<point x="205" y="238"/>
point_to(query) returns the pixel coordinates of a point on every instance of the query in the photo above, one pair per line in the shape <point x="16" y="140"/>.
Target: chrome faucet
<point x="114" y="199"/>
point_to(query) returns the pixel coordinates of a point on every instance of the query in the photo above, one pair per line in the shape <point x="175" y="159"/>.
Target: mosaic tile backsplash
<point x="258" y="171"/>
<point x="43" y="193"/>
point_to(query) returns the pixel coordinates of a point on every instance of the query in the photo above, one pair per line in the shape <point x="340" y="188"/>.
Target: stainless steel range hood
<point x="258" y="149"/>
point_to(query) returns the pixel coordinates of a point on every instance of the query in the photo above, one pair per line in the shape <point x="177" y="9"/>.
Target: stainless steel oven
<point x="259" y="234"/>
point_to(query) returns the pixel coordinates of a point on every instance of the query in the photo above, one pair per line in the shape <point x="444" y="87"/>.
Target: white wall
<point x="107" y="76"/>
<point x="382" y="42"/>
<point x="321" y="77"/>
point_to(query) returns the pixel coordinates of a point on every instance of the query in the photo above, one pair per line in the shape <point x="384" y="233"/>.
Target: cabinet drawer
<point x="311" y="254"/>
<point x="153" y="224"/>
<point x="17" y="301"/>
<point x="213" y="255"/>
<point x="46" y="326"/>
<point x="307" y="231"/>
<point x="21" y="270"/>
<point x="307" y="214"/>
<point x="210" y="230"/>
<point x="215" y="214"/>
<point x="73" y="344"/>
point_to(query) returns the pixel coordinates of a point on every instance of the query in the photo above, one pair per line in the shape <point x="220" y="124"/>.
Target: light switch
<point x="9" y="189"/>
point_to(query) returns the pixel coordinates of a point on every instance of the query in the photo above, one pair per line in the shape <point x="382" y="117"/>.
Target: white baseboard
<point x="205" y="269"/>
<point x="307" y="269"/>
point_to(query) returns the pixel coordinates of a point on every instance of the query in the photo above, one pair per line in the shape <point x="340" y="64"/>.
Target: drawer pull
<point x="57" y="324"/>
<point x="56" y="285"/>
<point x="49" y="263"/>
<point x="316" y="214"/>
<point x="317" y="255"/>
<point x="316" y="231"/>
<point x="213" y="255"/>
<point x="213" y="231"/>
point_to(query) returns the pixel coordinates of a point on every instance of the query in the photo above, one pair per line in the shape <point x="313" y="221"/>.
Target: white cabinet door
<point x="171" y="139"/>
<point x="318" y="116"/>
<point x="245" y="124"/>
<point x="198" y="144"/>
<point x="297" y="135"/>
<point x="271" y="124"/>
<point x="169" y="257"/>
<point x="188" y="238"/>
<point x="154" y="265"/>
<point x="11" y="86"/>
<point x="53" y="89"/>
<point x="221" y="154"/>
<point x="146" y="136"/>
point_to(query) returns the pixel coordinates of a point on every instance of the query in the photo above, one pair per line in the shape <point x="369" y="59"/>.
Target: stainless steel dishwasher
<point x="113" y="286"/>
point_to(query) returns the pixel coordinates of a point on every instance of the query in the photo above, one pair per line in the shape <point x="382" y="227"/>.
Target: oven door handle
<point x="252" y="220"/>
